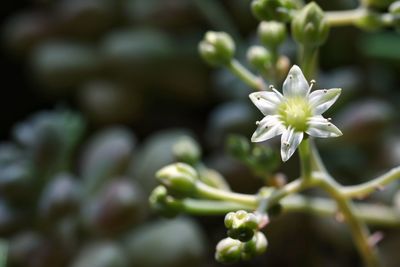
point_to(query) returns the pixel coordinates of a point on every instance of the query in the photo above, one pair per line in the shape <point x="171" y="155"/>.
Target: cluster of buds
<point x="244" y="240"/>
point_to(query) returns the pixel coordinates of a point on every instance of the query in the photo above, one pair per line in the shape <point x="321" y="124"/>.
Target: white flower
<point x="294" y="113"/>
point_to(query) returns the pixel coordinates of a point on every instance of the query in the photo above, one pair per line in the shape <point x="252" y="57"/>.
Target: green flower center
<point x="295" y="113"/>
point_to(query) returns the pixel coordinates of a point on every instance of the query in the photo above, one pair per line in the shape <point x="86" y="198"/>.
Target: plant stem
<point x="209" y="192"/>
<point x="246" y="76"/>
<point x="343" y="18"/>
<point x="371" y="214"/>
<point x="358" y="229"/>
<point x="364" y="189"/>
<point x="308" y="60"/>
<point x="305" y="159"/>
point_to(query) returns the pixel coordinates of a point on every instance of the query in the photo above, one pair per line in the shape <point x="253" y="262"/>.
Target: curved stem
<point x="246" y="76"/>
<point x="358" y="229"/>
<point x="209" y="192"/>
<point x="364" y="189"/>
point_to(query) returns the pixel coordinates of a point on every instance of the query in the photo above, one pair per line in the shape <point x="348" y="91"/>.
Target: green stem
<point x="371" y="214"/>
<point x="308" y="60"/>
<point x="209" y="192"/>
<point x="358" y="229"/>
<point x="246" y="76"/>
<point x="362" y="190"/>
<point x="343" y="18"/>
<point x="305" y="159"/>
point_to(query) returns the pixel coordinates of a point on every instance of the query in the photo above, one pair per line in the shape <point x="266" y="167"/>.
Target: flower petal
<point x="318" y="126"/>
<point x="266" y="102"/>
<point x="321" y="100"/>
<point x="295" y="83"/>
<point x="289" y="142"/>
<point x="268" y="127"/>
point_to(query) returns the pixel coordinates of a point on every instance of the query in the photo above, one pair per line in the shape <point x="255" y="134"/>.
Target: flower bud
<point x="256" y="246"/>
<point x="241" y="225"/>
<point x="369" y="21"/>
<point x="187" y="150"/>
<point x="259" y="57"/>
<point x="238" y="146"/>
<point x="178" y="178"/>
<point x="162" y="203"/>
<point x="217" y="48"/>
<point x="279" y="10"/>
<point x="213" y="178"/>
<point x="228" y="250"/>
<point x="272" y="33"/>
<point x="394" y="10"/>
<point x="309" y="26"/>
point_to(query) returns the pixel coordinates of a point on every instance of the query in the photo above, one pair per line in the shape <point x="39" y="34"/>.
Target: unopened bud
<point x="238" y="146"/>
<point x="280" y="10"/>
<point x="228" y="250"/>
<point x="217" y="48"/>
<point x="309" y="26"/>
<point x="162" y="203"/>
<point x="256" y="246"/>
<point x="241" y="225"/>
<point x="259" y="57"/>
<point x="187" y="150"/>
<point x="272" y="33"/>
<point x="178" y="178"/>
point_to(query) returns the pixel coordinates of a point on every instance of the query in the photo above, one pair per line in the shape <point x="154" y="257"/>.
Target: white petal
<point x="321" y="100"/>
<point x="318" y="126"/>
<point x="268" y="127"/>
<point x="266" y="102"/>
<point x="289" y="142"/>
<point x="295" y="83"/>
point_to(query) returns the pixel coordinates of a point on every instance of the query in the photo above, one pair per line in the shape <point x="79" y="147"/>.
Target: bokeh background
<point x="96" y="93"/>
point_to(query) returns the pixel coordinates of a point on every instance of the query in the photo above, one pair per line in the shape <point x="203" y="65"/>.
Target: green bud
<point x="259" y="57"/>
<point x="228" y="250"/>
<point x="309" y="26"/>
<point x="280" y="10"/>
<point x="272" y="33"/>
<point x="241" y="225"/>
<point x="369" y="21"/>
<point x="238" y="146"/>
<point x="394" y="10"/>
<point x="178" y="178"/>
<point x="164" y="204"/>
<point x="213" y="178"/>
<point x="187" y="150"/>
<point x="256" y="246"/>
<point x="263" y="159"/>
<point x="217" y="48"/>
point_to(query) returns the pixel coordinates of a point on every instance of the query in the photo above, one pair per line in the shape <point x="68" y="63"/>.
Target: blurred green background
<point x="97" y="92"/>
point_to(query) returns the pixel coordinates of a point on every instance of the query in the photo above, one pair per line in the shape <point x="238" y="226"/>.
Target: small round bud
<point x="394" y="10"/>
<point x="178" y="178"/>
<point x="256" y="246"/>
<point x="213" y="178"/>
<point x="369" y="21"/>
<point x="241" y="225"/>
<point x="280" y="10"/>
<point x="272" y="33"/>
<point x="238" y="146"/>
<point x="164" y="204"/>
<point x="228" y="250"/>
<point x="217" y="48"/>
<point x="259" y="57"/>
<point x="187" y="150"/>
<point x="309" y="26"/>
